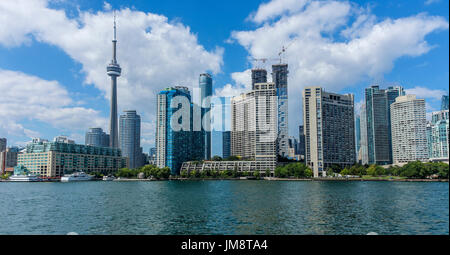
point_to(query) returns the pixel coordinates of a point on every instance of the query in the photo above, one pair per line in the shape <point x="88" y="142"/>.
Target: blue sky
<point x="53" y="54"/>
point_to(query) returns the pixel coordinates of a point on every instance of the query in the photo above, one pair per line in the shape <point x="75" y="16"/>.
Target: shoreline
<point x="265" y="179"/>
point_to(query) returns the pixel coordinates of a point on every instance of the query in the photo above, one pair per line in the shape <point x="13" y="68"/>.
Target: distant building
<point x="130" y="138"/>
<point x="3" y="143"/>
<point x="54" y="159"/>
<point x="301" y="141"/>
<point x="408" y="119"/>
<point x="254" y="125"/>
<point x="177" y="144"/>
<point x="96" y="137"/>
<point x="205" y="85"/>
<point x="329" y="129"/>
<point x="63" y="139"/>
<point x="152" y="156"/>
<point x="444" y="102"/>
<point x="8" y="158"/>
<point x="377" y="125"/>
<point x="357" y="135"/>
<point x="226" y="144"/>
<point x="438" y="136"/>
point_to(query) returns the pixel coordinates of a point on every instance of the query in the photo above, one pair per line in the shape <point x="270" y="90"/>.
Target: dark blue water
<point x="224" y="207"/>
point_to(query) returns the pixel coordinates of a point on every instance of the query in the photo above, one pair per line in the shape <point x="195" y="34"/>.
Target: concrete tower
<point x="113" y="70"/>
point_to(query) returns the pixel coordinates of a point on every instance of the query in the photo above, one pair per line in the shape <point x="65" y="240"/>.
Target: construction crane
<point x="283" y="50"/>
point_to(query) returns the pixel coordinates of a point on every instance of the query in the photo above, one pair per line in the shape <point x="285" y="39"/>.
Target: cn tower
<point x="113" y="70"/>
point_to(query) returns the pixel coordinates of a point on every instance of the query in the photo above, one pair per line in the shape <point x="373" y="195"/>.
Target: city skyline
<point x="70" y="102"/>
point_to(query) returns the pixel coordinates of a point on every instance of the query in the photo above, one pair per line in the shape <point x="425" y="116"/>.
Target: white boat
<point x="78" y="176"/>
<point x="24" y="178"/>
<point x="109" y="178"/>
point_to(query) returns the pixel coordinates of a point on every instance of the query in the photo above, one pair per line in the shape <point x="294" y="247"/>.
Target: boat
<point x="78" y="176"/>
<point x="24" y="178"/>
<point x="109" y="178"/>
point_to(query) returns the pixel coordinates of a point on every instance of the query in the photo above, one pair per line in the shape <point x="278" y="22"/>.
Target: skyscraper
<point x="114" y="71"/>
<point x="258" y="76"/>
<point x="96" y="137"/>
<point x="444" y="102"/>
<point x="409" y="141"/>
<point x="254" y="125"/>
<point x="438" y="137"/>
<point x="226" y="144"/>
<point x="329" y="129"/>
<point x="377" y="125"/>
<point x="130" y="137"/>
<point x="176" y="144"/>
<point x="279" y="77"/>
<point x="3" y="143"/>
<point x="205" y="85"/>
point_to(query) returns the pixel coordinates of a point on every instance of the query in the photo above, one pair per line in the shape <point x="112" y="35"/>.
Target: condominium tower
<point x="176" y="139"/>
<point x="205" y="85"/>
<point x="408" y="120"/>
<point x="329" y="129"/>
<point x="438" y="138"/>
<point x="96" y="137"/>
<point x="254" y="126"/>
<point x="280" y="79"/>
<point x="130" y="137"/>
<point x="376" y="124"/>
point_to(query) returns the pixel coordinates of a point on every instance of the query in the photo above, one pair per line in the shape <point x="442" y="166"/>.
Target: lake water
<point x="225" y="207"/>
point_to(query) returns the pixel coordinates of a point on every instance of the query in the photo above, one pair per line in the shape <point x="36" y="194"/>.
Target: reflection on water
<point x="225" y="207"/>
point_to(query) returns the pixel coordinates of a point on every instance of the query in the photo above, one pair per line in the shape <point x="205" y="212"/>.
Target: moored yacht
<point x="109" y="178"/>
<point x="78" y="176"/>
<point x="24" y="178"/>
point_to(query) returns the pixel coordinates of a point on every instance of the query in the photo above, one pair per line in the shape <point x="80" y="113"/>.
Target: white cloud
<point x="428" y="2"/>
<point x="426" y="93"/>
<point x="334" y="44"/>
<point x="26" y="97"/>
<point x="153" y="52"/>
<point x="242" y="84"/>
<point x="275" y="8"/>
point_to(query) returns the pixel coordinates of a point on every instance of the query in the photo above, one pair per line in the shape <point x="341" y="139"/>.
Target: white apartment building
<point x="408" y="121"/>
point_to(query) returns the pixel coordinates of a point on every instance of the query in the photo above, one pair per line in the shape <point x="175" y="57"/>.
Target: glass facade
<point x="173" y="147"/>
<point x="96" y="137"/>
<point x="130" y="137"/>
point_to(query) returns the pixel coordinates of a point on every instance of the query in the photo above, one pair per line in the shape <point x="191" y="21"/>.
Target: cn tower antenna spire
<point x="114" y="25"/>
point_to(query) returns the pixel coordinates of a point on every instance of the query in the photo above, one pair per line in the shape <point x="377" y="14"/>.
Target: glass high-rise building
<point x="259" y="75"/>
<point x="280" y="78"/>
<point x="301" y="140"/>
<point x="176" y="139"/>
<point x="444" y="102"/>
<point x="377" y="125"/>
<point x="205" y="85"/>
<point x="329" y="129"/>
<point x="96" y="137"/>
<point x="438" y="136"/>
<point x="226" y="144"/>
<point x="130" y="138"/>
<point x="357" y="135"/>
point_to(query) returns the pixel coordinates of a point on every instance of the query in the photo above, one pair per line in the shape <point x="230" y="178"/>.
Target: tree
<point x="217" y="158"/>
<point x="256" y="174"/>
<point x="267" y="173"/>
<point x="184" y="173"/>
<point x="308" y="172"/>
